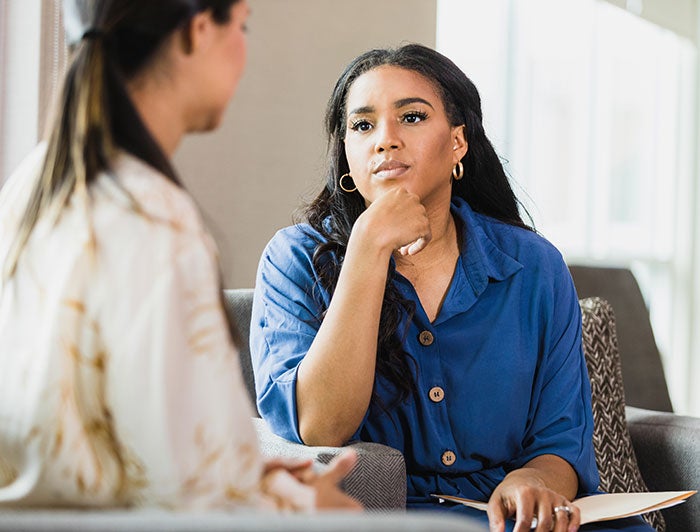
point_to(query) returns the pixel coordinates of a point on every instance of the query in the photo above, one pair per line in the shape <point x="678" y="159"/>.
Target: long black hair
<point x="333" y="213"/>
<point x="111" y="42"/>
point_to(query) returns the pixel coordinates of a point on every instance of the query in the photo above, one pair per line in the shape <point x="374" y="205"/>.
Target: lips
<point x="390" y="169"/>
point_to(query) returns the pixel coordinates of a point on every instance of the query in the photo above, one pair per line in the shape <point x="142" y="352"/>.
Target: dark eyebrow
<point x="362" y="110"/>
<point x="403" y="102"/>
<point x="408" y="101"/>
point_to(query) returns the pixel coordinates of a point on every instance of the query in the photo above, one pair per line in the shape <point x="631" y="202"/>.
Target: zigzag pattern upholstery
<point x="615" y="456"/>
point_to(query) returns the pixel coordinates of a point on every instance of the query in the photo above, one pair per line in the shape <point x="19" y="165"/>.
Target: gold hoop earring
<point x="345" y="189"/>
<point x="458" y="171"/>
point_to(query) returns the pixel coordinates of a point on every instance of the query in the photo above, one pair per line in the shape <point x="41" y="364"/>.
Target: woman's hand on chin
<point x="396" y="220"/>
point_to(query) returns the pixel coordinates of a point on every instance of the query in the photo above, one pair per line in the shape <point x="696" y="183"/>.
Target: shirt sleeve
<point x="560" y="420"/>
<point x="284" y="323"/>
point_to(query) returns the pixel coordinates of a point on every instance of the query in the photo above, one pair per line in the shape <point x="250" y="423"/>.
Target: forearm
<point x="336" y="377"/>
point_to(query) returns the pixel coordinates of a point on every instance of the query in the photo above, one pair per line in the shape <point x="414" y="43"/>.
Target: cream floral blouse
<point x="119" y="384"/>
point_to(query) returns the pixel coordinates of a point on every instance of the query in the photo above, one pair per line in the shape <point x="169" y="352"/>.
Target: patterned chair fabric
<point x="615" y="456"/>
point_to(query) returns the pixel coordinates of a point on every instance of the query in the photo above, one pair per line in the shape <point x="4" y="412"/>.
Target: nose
<point x="388" y="137"/>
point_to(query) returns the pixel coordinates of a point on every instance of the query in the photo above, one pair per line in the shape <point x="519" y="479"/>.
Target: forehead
<point x="389" y="84"/>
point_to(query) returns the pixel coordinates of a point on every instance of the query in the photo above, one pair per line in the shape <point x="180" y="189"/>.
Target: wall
<point x="251" y="174"/>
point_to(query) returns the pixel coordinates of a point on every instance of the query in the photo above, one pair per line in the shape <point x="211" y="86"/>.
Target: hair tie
<point x="92" y="34"/>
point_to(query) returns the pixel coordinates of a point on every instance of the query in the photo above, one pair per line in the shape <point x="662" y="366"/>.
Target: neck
<point x="155" y="104"/>
<point x="443" y="243"/>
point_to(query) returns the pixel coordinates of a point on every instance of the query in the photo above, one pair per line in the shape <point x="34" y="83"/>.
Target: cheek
<point x="356" y="157"/>
<point x="241" y="53"/>
<point x="441" y="154"/>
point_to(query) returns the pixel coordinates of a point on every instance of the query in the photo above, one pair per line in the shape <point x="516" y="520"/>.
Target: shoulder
<point x="526" y="246"/>
<point x="506" y="245"/>
<point x="157" y="199"/>
<point x="142" y="220"/>
<point x="294" y="243"/>
<point x="544" y="274"/>
<point x="290" y="258"/>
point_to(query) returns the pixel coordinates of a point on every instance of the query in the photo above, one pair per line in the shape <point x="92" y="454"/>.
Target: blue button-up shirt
<point x="501" y="375"/>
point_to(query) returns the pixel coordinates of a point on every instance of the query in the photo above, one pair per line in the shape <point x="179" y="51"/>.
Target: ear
<point x="197" y="33"/>
<point x="460" y="146"/>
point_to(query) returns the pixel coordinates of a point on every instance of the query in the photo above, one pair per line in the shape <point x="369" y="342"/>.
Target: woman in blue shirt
<point x="415" y="308"/>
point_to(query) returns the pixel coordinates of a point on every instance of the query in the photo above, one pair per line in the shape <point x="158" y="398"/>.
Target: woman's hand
<point x="328" y="494"/>
<point x="396" y="220"/>
<point x="296" y="486"/>
<point x="524" y="494"/>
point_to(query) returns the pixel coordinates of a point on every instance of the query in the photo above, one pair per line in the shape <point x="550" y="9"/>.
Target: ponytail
<point x="79" y="145"/>
<point x="95" y="116"/>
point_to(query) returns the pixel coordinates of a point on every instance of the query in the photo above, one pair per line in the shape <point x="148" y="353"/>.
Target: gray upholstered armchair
<point x="378" y="481"/>
<point x="665" y="444"/>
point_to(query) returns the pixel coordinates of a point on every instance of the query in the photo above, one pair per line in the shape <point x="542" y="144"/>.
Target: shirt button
<point x="425" y="338"/>
<point x="436" y="394"/>
<point x="448" y="458"/>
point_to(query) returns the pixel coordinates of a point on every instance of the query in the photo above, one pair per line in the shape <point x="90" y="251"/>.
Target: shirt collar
<point x="481" y="257"/>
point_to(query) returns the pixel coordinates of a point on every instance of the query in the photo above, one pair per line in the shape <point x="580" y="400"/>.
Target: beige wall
<point x="252" y="173"/>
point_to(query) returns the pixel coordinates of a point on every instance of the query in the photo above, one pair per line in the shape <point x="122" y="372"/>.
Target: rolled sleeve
<point x="561" y="420"/>
<point x="284" y="323"/>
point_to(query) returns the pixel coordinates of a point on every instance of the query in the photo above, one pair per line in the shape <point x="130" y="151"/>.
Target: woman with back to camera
<point x="120" y="384"/>
<point x="415" y="308"/>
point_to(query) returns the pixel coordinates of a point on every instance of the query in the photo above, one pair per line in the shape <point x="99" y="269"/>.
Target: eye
<point x="413" y="117"/>
<point x="360" y="125"/>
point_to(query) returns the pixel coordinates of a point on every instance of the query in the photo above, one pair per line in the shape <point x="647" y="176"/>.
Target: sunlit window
<point x="3" y="18"/>
<point x="593" y="110"/>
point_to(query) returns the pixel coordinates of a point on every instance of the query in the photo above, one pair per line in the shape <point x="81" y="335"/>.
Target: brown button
<point x="448" y="458"/>
<point x="426" y="338"/>
<point x="436" y="394"/>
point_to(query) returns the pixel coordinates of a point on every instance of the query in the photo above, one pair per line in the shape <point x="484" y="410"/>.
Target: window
<point x="32" y="58"/>
<point x="593" y="109"/>
<point x="3" y="46"/>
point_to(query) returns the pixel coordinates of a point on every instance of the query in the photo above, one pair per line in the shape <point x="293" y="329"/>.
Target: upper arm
<point x="560" y="420"/>
<point x="285" y="321"/>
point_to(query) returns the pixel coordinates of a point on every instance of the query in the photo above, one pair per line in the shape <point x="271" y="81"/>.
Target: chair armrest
<point x="378" y="480"/>
<point x="668" y="452"/>
<point x="150" y="520"/>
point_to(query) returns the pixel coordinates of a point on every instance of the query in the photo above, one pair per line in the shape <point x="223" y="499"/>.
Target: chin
<point x="208" y="123"/>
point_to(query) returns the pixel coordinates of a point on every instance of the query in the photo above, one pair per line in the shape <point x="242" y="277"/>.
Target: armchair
<point x="665" y="444"/>
<point x="378" y="481"/>
<point x="642" y="371"/>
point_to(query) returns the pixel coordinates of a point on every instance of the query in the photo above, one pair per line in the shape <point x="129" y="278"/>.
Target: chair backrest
<point x="642" y="371"/>
<point x="239" y="304"/>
